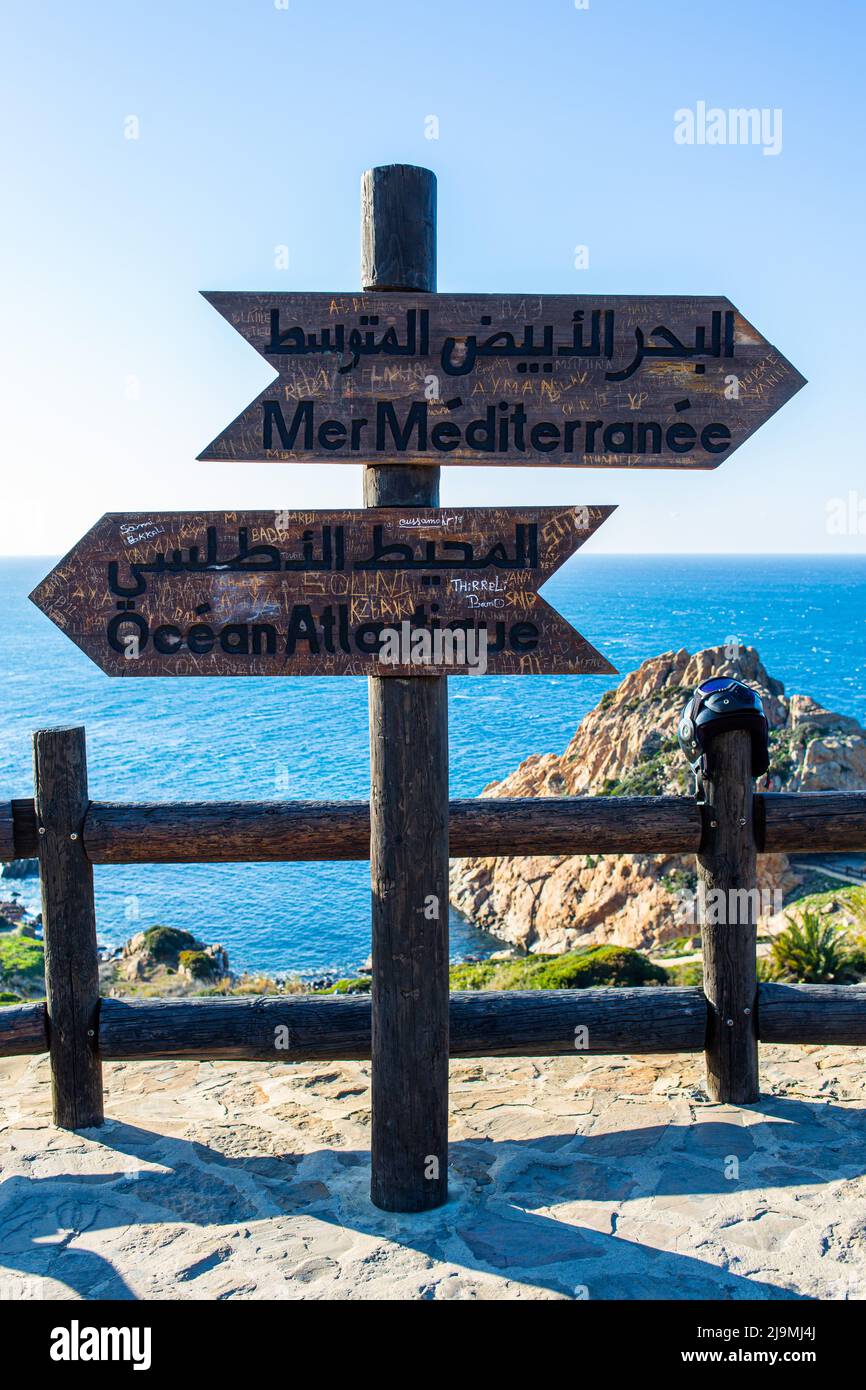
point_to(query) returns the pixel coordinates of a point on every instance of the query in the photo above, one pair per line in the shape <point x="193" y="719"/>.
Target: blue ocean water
<point x="151" y="740"/>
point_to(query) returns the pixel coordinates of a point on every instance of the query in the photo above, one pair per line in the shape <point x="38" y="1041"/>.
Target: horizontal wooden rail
<point x="23" y="1029"/>
<point x="811" y="821"/>
<point x="812" y="1014"/>
<point x="530" y="1023"/>
<point x="341" y="830"/>
<point x="265" y="831"/>
<point x="251" y="831"/>
<point x="17" y="830"/>
<point x="201" y="832"/>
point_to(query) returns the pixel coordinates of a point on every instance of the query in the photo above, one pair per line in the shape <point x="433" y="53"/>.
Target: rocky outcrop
<point x="626" y="746"/>
<point x="170" y="958"/>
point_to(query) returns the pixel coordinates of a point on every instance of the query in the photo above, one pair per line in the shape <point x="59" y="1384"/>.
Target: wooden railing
<point x="211" y="832"/>
<point x="530" y="1023"/>
<point x="68" y="833"/>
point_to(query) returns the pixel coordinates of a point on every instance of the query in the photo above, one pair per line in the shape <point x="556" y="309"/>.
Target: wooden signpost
<point x="580" y="380"/>
<point x="393" y="592"/>
<point x="401" y="379"/>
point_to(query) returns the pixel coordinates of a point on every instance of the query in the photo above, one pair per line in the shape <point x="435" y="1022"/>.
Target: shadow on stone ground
<point x="612" y="1214"/>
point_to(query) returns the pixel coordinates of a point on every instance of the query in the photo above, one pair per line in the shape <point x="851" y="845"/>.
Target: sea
<point x="306" y="737"/>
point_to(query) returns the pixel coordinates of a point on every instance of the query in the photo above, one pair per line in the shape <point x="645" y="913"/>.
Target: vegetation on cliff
<point x="22" y="967"/>
<point x="599" y="965"/>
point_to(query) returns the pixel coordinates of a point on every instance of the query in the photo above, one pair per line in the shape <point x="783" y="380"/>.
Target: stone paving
<point x="593" y="1178"/>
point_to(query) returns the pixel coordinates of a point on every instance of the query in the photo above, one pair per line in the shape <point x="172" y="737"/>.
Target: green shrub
<point x="857" y="957"/>
<point x="356" y="984"/>
<point x="680" y="946"/>
<point x="680" y="880"/>
<point x="359" y="984"/>
<point x="595" y="965"/>
<point x="650" y="776"/>
<point x="474" y="974"/>
<point x="811" y="951"/>
<point x="9" y="999"/>
<point x="781" y="755"/>
<point x="841" y="903"/>
<point x="691" y="973"/>
<point x="21" y="958"/>
<point x="198" y="964"/>
<point x="165" y="944"/>
<point x="767" y="970"/>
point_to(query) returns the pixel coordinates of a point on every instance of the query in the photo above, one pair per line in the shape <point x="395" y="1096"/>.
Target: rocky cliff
<point x="627" y="746"/>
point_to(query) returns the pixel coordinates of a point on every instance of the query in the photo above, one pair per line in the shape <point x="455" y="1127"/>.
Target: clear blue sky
<point x="555" y="129"/>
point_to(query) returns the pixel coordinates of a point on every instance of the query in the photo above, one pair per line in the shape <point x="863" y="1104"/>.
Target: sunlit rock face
<point x="627" y="746"/>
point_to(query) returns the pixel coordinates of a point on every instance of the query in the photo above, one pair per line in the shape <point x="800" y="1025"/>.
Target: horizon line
<point x="613" y="554"/>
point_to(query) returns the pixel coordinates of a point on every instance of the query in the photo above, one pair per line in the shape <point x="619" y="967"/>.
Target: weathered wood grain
<point x="398" y="229"/>
<point x="577" y="380"/>
<point x="268" y="831"/>
<point x="728" y="916"/>
<point x="69" y="926"/>
<point x="316" y="593"/>
<point x="22" y="814"/>
<point x="408" y="798"/>
<point x="811" y="821"/>
<point x="530" y="1023"/>
<point x="240" y="832"/>
<point x="409" y="871"/>
<point x="7" y="833"/>
<point x="821" y="1014"/>
<point x="23" y="1029"/>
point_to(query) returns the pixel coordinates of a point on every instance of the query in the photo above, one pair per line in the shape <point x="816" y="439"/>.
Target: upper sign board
<point x="584" y="381"/>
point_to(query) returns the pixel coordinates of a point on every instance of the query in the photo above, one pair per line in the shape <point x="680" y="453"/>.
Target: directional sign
<point x="587" y="381"/>
<point x="378" y="592"/>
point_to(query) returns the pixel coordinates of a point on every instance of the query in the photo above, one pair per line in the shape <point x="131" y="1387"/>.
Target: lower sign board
<point x="382" y="592"/>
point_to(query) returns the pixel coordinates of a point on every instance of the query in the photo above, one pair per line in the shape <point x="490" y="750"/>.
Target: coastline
<point x="263" y="739"/>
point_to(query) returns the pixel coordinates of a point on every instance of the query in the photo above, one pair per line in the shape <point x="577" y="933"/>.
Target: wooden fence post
<point x="69" y="927"/>
<point x="727" y="895"/>
<point x="408" y="791"/>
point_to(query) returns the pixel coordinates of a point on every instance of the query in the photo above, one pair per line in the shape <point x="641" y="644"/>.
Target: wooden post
<point x="408" y="791"/>
<point x="728" y="911"/>
<point x="69" y="927"/>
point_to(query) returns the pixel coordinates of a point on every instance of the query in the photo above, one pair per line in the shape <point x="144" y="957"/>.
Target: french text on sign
<point x="575" y="380"/>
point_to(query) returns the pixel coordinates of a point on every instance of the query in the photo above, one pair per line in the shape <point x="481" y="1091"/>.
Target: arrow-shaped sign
<point x="610" y="381"/>
<point x="377" y="592"/>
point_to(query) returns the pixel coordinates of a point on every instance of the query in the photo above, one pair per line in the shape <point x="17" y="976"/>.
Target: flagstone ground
<point x="592" y="1178"/>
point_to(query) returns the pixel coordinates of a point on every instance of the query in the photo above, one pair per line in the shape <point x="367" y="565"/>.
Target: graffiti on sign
<point x="608" y="381"/>
<point x="383" y="591"/>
